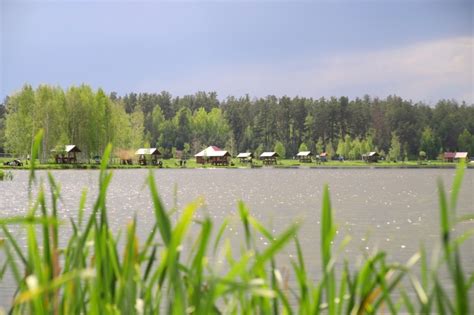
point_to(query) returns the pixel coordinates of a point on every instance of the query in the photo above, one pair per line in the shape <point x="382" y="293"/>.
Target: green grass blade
<point x="162" y="218"/>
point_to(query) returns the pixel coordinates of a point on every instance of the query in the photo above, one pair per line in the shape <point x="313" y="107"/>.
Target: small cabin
<point x="323" y="157"/>
<point x="304" y="156"/>
<point x="125" y="156"/>
<point x="461" y="156"/>
<point x="66" y="156"/>
<point x="269" y="158"/>
<point x="245" y="157"/>
<point x="449" y="156"/>
<point x="148" y="156"/>
<point x="371" y="157"/>
<point x="213" y="155"/>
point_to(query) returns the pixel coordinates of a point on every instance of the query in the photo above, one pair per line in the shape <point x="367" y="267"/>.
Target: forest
<point x="91" y="119"/>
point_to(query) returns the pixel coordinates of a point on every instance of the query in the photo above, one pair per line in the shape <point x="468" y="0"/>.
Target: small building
<point x="125" y="156"/>
<point x="449" y="156"/>
<point x="304" y="156"/>
<point x="323" y="157"/>
<point x="66" y="156"/>
<point x="213" y="155"/>
<point x="269" y="158"/>
<point x="148" y="156"/>
<point x="245" y="157"/>
<point x="371" y="157"/>
<point x="461" y="156"/>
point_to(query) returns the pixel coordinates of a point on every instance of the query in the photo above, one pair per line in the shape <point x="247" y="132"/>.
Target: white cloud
<point x="426" y="71"/>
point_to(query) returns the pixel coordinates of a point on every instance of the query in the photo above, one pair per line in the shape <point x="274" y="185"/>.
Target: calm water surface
<point x="395" y="210"/>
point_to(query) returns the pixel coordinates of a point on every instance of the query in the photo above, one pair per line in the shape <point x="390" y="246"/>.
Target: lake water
<point x="391" y="209"/>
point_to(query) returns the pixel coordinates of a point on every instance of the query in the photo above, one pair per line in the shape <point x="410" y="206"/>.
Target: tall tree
<point x="395" y="148"/>
<point x="429" y="144"/>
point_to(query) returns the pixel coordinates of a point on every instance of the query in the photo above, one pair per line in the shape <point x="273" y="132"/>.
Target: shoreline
<point x="168" y="164"/>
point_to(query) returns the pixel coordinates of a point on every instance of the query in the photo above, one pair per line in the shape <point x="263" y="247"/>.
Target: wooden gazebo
<point x="449" y="156"/>
<point x="461" y="156"/>
<point x="245" y="157"/>
<point x="304" y="156"/>
<point x="148" y="156"/>
<point x="66" y="156"/>
<point x="213" y="155"/>
<point x="371" y="157"/>
<point x="269" y="158"/>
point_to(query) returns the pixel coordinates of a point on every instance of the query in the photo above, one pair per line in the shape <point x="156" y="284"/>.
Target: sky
<point x="421" y="50"/>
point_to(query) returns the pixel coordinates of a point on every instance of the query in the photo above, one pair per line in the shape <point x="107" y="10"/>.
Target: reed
<point x="99" y="273"/>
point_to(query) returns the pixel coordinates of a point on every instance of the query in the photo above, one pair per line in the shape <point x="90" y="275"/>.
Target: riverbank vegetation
<point x="92" y="118"/>
<point x="99" y="272"/>
<point x="235" y="163"/>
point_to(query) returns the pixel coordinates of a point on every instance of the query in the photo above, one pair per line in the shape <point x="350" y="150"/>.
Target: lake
<point x="391" y="209"/>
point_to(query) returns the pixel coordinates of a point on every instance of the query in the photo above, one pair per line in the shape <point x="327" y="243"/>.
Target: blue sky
<point x="422" y="50"/>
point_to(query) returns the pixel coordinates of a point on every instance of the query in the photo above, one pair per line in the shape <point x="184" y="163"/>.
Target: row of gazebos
<point x="216" y="156"/>
<point x="212" y="154"/>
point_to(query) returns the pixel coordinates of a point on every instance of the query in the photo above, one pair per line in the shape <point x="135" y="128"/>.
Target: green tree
<point x="356" y="152"/>
<point x="303" y="147"/>
<point x="20" y="126"/>
<point x="395" y="148"/>
<point x="341" y="147"/>
<point x="319" y="146"/>
<point x="280" y="149"/>
<point x="182" y="124"/>
<point x="347" y="146"/>
<point x="136" y="132"/>
<point x="466" y="142"/>
<point x="330" y="150"/>
<point x="158" y="119"/>
<point x="259" y="150"/>
<point x="429" y="144"/>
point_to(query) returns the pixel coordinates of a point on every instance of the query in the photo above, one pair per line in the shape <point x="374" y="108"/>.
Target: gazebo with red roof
<point x="213" y="155"/>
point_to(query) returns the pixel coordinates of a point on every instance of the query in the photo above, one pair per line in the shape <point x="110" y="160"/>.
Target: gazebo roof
<point x="212" y="151"/>
<point x="72" y="148"/>
<point x="304" y="153"/>
<point x="147" y="151"/>
<point x="449" y="155"/>
<point x="269" y="154"/>
<point x="460" y="155"/>
<point x="244" y="155"/>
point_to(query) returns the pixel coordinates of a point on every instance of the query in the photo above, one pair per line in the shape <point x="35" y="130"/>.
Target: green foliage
<point x="319" y="146"/>
<point x="303" y="147"/>
<point x="90" y="119"/>
<point x="330" y="150"/>
<point x="78" y="116"/>
<point x="429" y="143"/>
<point x="259" y="151"/>
<point x="394" y="153"/>
<point x="100" y="273"/>
<point x="280" y="149"/>
<point x="466" y="142"/>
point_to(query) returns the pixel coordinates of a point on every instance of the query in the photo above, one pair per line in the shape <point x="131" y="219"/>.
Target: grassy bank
<point x="286" y="163"/>
<point x="102" y="273"/>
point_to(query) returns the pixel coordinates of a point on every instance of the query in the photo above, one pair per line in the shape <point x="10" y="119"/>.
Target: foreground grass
<point x="94" y="274"/>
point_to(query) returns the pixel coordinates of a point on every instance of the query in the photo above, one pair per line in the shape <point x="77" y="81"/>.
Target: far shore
<point x="236" y="164"/>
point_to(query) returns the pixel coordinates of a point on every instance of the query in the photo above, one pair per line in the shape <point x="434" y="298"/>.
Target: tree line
<point x="92" y="118"/>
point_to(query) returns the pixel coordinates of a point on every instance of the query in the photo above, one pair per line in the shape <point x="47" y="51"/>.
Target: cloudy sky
<point x="421" y="50"/>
